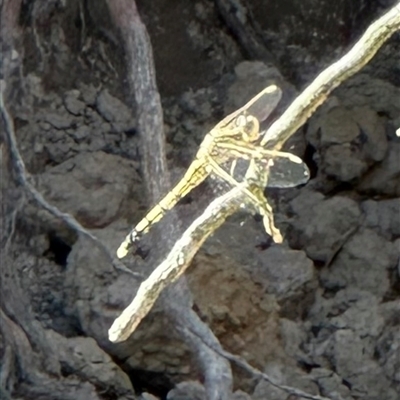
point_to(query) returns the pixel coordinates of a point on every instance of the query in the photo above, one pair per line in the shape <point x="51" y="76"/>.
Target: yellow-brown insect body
<point x="236" y="136"/>
<point x="201" y="167"/>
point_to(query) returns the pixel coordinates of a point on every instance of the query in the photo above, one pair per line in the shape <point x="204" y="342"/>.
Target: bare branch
<point x="9" y="34"/>
<point x="318" y="91"/>
<point x="239" y="361"/>
<point x="141" y="75"/>
<point x="173" y="267"/>
<point x="182" y="253"/>
<point x="236" y="18"/>
<point x="142" y="80"/>
<point x="9" y="28"/>
<point x="301" y="109"/>
<point x="175" y="264"/>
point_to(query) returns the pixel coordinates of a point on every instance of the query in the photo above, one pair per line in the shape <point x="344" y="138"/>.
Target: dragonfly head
<point x="248" y="126"/>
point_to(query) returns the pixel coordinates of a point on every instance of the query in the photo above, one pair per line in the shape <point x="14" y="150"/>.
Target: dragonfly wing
<point x="260" y="106"/>
<point x="264" y="103"/>
<point x="287" y="172"/>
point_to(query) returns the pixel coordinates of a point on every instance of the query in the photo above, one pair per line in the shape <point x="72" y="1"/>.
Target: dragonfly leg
<point x="257" y="199"/>
<point x="264" y="208"/>
<point x="233" y="166"/>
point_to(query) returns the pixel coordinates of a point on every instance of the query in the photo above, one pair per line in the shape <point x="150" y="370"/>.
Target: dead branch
<point x="9" y="19"/>
<point x="173" y="267"/>
<point x="296" y="115"/>
<point x="175" y="264"/>
<point x="318" y="91"/>
<point x="182" y="253"/>
<point x="236" y="18"/>
<point x="142" y="80"/>
<point x="141" y="76"/>
<point x="9" y="34"/>
<point x="241" y="362"/>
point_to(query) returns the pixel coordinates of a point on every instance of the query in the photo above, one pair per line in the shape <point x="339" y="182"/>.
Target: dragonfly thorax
<point x="249" y="127"/>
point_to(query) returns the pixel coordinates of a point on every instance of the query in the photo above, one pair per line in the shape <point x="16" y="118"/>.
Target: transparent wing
<point x="260" y="106"/>
<point x="265" y="103"/>
<point x="286" y="173"/>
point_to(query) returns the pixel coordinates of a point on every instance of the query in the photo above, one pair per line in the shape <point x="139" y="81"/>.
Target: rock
<point x="93" y="118"/>
<point x="91" y="186"/>
<point x="239" y="395"/>
<point x="352" y="364"/>
<point x="347" y="329"/>
<point x="343" y="163"/>
<point x="286" y="273"/>
<point x="338" y="127"/>
<point x="89" y="94"/>
<point x="388" y="353"/>
<point x="114" y="111"/>
<point x="73" y="104"/>
<point x="364" y="309"/>
<point x="363" y="90"/>
<point x="232" y="298"/>
<point x="390" y="311"/>
<point x="285" y="375"/>
<point x="187" y="391"/>
<point x="321" y="225"/>
<point x="252" y="77"/>
<point x="350" y="141"/>
<point x="293" y="336"/>
<point x="363" y="262"/>
<point x="59" y="120"/>
<point x="397" y="246"/>
<point x="84" y="356"/>
<point x="348" y="309"/>
<point x="384" y="179"/>
<point x="96" y="295"/>
<point x="61" y="149"/>
<point x="373" y="135"/>
<point x="96" y="292"/>
<point x="336" y="312"/>
<point x="383" y="216"/>
<point x="330" y="384"/>
<point x="81" y="133"/>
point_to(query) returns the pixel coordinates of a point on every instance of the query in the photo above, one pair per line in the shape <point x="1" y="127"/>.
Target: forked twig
<point x="295" y="116"/>
<point x="241" y="362"/>
<point x="318" y="91"/>
<point x="176" y="262"/>
<point x="174" y="266"/>
<point x="143" y="89"/>
<point x="182" y="253"/>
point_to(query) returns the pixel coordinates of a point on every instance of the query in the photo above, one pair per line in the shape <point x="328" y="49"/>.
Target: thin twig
<point x="182" y="253"/>
<point x="237" y="19"/>
<point x="318" y="91"/>
<point x="242" y="363"/>
<point x="175" y="264"/>
<point x="22" y="177"/>
<point x="172" y="268"/>
<point x="301" y="109"/>
<point x="143" y="88"/>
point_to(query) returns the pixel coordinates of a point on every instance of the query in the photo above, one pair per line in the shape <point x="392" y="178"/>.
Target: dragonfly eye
<point x="250" y="128"/>
<point x="241" y="121"/>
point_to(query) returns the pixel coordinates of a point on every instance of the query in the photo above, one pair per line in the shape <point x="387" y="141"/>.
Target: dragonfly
<point x="233" y="141"/>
